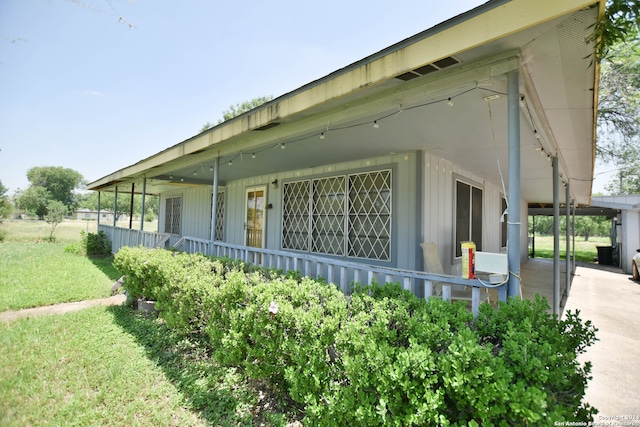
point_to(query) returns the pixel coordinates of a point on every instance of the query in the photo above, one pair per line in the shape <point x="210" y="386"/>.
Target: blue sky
<point x="82" y="89"/>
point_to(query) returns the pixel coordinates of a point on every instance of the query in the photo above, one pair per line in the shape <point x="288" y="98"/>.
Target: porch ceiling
<point x="557" y="117"/>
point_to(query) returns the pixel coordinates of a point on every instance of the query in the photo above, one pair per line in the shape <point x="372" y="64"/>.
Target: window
<point x="173" y="209"/>
<point x="468" y="214"/>
<point x="219" y="235"/>
<point x="347" y="215"/>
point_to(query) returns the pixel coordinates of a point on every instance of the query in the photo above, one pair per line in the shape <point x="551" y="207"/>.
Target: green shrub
<point x="380" y="356"/>
<point x="91" y="244"/>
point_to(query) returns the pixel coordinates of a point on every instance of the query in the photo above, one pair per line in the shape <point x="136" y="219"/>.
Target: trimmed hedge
<point x="380" y="356"/>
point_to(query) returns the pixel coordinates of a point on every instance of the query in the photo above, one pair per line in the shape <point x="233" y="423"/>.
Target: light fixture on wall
<point x="274" y="183"/>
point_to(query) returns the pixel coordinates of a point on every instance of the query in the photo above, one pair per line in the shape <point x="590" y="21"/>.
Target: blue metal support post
<point x="556" y="236"/>
<point x="513" y="226"/>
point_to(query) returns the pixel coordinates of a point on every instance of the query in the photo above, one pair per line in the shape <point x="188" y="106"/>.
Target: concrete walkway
<point x="8" y="316"/>
<point x="611" y="301"/>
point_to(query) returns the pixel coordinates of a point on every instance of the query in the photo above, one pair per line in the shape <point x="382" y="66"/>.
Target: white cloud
<point x="92" y="93"/>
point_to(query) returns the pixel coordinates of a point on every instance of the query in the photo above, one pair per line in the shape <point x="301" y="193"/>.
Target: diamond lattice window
<point x="172" y="215"/>
<point x="295" y="215"/>
<point x="370" y="215"/>
<point x="220" y="216"/>
<point x="347" y="215"/>
<point x="328" y="216"/>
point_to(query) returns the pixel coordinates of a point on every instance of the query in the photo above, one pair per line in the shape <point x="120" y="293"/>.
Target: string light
<point x="170" y="176"/>
<point x="282" y="147"/>
<point x="322" y="135"/>
<point x="253" y="155"/>
<point x="450" y="102"/>
<point x="210" y="168"/>
<point x="375" y="124"/>
<point x="230" y="162"/>
<point x="522" y="100"/>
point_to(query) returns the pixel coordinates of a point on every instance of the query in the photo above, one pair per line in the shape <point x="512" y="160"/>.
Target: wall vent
<point x="268" y="126"/>
<point x="429" y="68"/>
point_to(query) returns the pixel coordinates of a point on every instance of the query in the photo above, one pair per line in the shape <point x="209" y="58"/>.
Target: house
<point x="444" y="137"/>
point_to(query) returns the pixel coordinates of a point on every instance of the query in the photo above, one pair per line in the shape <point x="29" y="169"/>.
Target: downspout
<point x="513" y="225"/>
<point x="144" y="195"/>
<point x="556" y="236"/>
<point x="214" y="199"/>
<point x="133" y="187"/>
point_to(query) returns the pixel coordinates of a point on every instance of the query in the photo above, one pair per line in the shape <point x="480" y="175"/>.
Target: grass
<point x="68" y="231"/>
<point x="110" y="366"/>
<point x="36" y="274"/>
<point x="107" y="366"/>
<point x="82" y="369"/>
<point x="585" y="250"/>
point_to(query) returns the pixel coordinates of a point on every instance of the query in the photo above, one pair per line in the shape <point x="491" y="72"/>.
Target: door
<point x="254" y="225"/>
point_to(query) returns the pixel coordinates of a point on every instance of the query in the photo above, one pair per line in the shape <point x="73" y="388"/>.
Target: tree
<point x="5" y="205"/>
<point x="60" y="182"/>
<point x="90" y="201"/>
<point x="56" y="211"/>
<point x="236" y="110"/>
<point x="619" y="24"/>
<point x="617" y="42"/>
<point x="33" y="200"/>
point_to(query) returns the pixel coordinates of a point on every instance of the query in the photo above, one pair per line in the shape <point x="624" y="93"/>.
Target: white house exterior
<point x="428" y="140"/>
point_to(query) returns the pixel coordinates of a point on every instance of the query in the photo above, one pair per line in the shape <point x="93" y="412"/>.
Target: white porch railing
<point x="127" y="237"/>
<point x="340" y="272"/>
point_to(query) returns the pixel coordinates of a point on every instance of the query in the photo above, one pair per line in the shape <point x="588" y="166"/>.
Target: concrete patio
<point x="607" y="297"/>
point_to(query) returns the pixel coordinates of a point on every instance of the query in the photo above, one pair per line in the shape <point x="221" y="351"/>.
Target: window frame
<point x="332" y="216"/>
<point x="473" y="208"/>
<point x="169" y="214"/>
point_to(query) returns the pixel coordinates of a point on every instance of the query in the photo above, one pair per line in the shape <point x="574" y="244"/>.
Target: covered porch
<point x="536" y="274"/>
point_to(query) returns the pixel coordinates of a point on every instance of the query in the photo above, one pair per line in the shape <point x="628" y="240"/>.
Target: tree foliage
<point x="617" y="42"/>
<point x="619" y="24"/>
<point x="60" y="182"/>
<point x="56" y="211"/>
<point x="5" y="205"/>
<point x="90" y="201"/>
<point x="236" y="110"/>
<point x="33" y="200"/>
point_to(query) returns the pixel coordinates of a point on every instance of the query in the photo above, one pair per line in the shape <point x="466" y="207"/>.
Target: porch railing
<point x="126" y="237"/>
<point x="340" y="272"/>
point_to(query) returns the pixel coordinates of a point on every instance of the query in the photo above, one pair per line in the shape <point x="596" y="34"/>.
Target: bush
<point x="91" y="244"/>
<point x="379" y="356"/>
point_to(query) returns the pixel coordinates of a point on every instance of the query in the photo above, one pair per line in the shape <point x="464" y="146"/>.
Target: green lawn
<point x="82" y="369"/>
<point x="585" y="250"/>
<point x="108" y="366"/>
<point x="36" y="274"/>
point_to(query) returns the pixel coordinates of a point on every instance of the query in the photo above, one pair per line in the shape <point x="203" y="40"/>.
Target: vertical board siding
<point x="437" y="209"/>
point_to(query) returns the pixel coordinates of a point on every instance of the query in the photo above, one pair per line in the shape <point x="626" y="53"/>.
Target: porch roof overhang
<point x="406" y="90"/>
